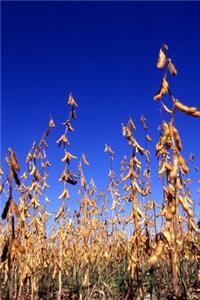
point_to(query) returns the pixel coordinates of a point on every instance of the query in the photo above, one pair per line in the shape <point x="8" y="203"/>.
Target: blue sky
<point x="105" y="54"/>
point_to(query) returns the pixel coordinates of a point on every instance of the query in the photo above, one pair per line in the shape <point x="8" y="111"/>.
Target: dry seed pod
<point x="195" y="114"/>
<point x="137" y="146"/>
<point x="51" y="123"/>
<point x="168" y="166"/>
<point x="177" y="138"/>
<point x="71" y="101"/>
<point x="186" y="206"/>
<point x="64" y="194"/>
<point x="167" y="214"/>
<point x="136" y="162"/>
<point x="14" y="163"/>
<point x="174" y="171"/>
<point x="85" y="160"/>
<point x="136" y="187"/>
<point x="166" y="128"/>
<point x="172" y="208"/>
<point x="1" y="188"/>
<point x="159" y="147"/>
<point x="32" y="169"/>
<point x="159" y="248"/>
<point x="60" y="211"/>
<point x="178" y="183"/>
<point x="18" y="245"/>
<point x="37" y="175"/>
<point x="172" y="68"/>
<point x="161" y="59"/>
<point x="68" y="156"/>
<point x="14" y="209"/>
<point x="1" y="171"/>
<point x="156" y="253"/>
<point x="164" y="89"/>
<point x="62" y="141"/>
<point x="53" y="237"/>
<point x="195" y="228"/>
<point x="164" y="140"/>
<point x="83" y="181"/>
<point x="162" y="169"/>
<point x="184" y="108"/>
<point x="124" y="178"/>
<point x="152" y="260"/>
<point x="183" y="165"/>
<point x="167" y="235"/>
<point x="166" y="109"/>
<point x="190" y="213"/>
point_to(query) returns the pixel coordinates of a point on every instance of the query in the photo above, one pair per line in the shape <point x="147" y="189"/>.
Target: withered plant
<point x="117" y="243"/>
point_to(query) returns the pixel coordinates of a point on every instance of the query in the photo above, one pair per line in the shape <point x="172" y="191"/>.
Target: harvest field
<point x="102" y="250"/>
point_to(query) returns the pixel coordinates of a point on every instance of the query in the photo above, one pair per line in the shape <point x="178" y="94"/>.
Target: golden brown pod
<point x="162" y="169"/>
<point x="59" y="213"/>
<point x="176" y="136"/>
<point x="85" y="161"/>
<point x="166" y="109"/>
<point x="196" y="114"/>
<point x="190" y="213"/>
<point x="172" y="68"/>
<point x="156" y="253"/>
<point x="13" y="159"/>
<point x="152" y="260"/>
<point x="184" y="108"/>
<point x="14" y="209"/>
<point x="1" y="188"/>
<point x="167" y="235"/>
<point x="168" y="166"/>
<point x="172" y="208"/>
<point x="168" y="216"/>
<point x="183" y="165"/>
<point x="18" y="246"/>
<point x="161" y="59"/>
<point x="186" y="206"/>
<point x="166" y="128"/>
<point x="164" y="89"/>
<point x="174" y="171"/>
<point x="178" y="183"/>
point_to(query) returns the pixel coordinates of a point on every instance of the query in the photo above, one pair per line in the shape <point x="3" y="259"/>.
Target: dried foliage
<point x="103" y="249"/>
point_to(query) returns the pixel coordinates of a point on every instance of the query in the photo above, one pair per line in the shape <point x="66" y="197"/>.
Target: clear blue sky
<point x="105" y="54"/>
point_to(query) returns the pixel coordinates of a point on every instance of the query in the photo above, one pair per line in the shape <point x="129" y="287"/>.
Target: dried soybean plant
<point x="27" y="232"/>
<point x="110" y="244"/>
<point x="139" y="186"/>
<point x="67" y="177"/>
<point x="174" y="171"/>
